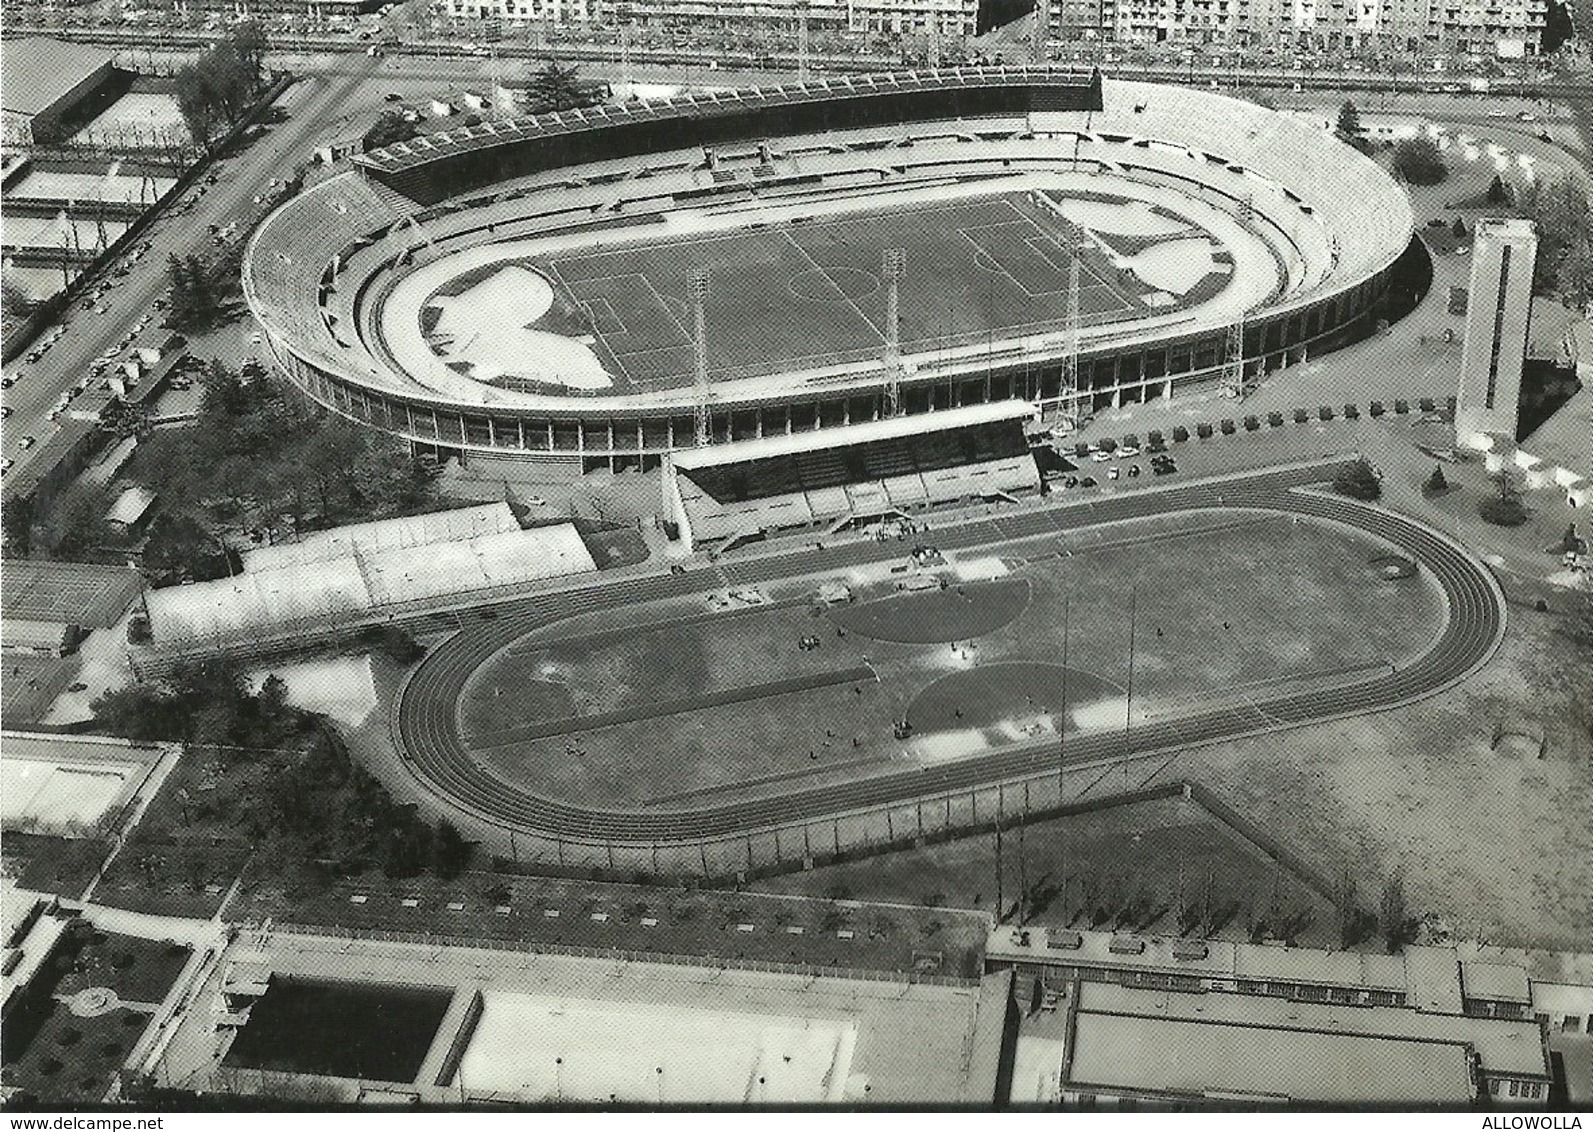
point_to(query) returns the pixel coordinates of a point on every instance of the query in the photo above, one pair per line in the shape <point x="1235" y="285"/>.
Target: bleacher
<point x="859" y="472"/>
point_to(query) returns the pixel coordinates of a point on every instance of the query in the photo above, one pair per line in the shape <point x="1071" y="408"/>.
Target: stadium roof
<point x="418" y="151"/>
<point x="39" y="72"/>
<point x="867" y="432"/>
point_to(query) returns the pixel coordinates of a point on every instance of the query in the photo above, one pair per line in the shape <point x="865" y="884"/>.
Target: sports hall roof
<point x="418" y="151"/>
<point x="867" y="432"/>
<point x="386" y="535"/>
<point x="353" y="582"/>
<point x="39" y="71"/>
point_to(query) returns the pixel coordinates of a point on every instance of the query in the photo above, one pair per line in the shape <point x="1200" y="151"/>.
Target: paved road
<point x="432" y="745"/>
<point x="39" y="384"/>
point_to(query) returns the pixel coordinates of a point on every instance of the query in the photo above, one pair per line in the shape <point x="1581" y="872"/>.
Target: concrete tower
<point x="1498" y="311"/>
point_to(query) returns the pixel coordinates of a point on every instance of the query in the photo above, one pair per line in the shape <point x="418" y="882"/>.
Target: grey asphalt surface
<point x="309" y="104"/>
<point x="434" y="750"/>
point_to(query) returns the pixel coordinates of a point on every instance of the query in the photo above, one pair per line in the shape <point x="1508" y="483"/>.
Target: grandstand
<point x="1191" y="213"/>
<point x="828" y="480"/>
<point x="357" y="572"/>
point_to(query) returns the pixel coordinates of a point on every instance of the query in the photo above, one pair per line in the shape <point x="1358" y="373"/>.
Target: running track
<point x="431" y="743"/>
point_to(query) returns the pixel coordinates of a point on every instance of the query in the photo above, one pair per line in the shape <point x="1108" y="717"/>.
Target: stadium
<point x="814" y="264"/>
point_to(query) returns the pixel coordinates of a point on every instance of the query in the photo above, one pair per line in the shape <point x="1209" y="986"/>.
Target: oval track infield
<point x="435" y="750"/>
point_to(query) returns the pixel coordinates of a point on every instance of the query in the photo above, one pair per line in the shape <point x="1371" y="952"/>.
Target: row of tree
<point x="217" y="89"/>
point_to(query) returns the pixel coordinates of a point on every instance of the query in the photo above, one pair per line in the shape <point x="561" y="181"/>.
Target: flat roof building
<point x="1154" y="1045"/>
<point x="45" y="79"/>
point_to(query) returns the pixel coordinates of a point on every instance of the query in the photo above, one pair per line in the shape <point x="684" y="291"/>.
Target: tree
<point x="451" y="853"/>
<point x="1558" y="28"/>
<point x="215" y="91"/>
<point x="390" y="128"/>
<point x="1458" y="229"/>
<point x="555" y="88"/>
<point x="1436" y="482"/>
<point x="1358" y="480"/>
<point x="16" y="524"/>
<point x="1418" y="161"/>
<point x="1505" y="507"/>
<point x="123" y="419"/>
<point x="1349" y="125"/>
<point x="1393" y="918"/>
<point x="1498" y="191"/>
<point x="1564" y="219"/>
<point x="1571" y="542"/>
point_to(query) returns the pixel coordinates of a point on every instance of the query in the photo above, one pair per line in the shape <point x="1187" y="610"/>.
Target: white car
<point x="1100" y="457"/>
<point x="1112" y="473"/>
<point x="1127" y="450"/>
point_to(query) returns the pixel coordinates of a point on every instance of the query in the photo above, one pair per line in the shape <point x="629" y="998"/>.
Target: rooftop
<point x="1503" y="1046"/>
<point x="1218" y="1060"/>
<point x="40" y="71"/>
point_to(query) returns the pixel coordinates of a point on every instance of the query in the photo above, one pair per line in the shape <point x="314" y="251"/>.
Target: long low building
<point x="357" y="571"/>
<point x="1141" y="1045"/>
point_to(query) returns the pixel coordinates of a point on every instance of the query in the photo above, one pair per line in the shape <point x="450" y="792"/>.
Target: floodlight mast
<point x="698" y="290"/>
<point x="1069" y="408"/>
<point x="895" y="266"/>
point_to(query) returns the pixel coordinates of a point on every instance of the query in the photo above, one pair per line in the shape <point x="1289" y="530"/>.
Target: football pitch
<point x="808" y="293"/>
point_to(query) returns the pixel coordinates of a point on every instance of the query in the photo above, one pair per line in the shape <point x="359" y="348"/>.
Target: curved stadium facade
<point x="526" y="287"/>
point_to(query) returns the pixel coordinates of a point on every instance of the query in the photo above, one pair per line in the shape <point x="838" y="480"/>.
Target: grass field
<point x="1220" y="612"/>
<point x="810" y="292"/>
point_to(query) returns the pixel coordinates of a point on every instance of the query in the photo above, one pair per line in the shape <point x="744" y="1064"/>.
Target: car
<point x="1100" y="457"/>
<point x="28" y="442"/>
<point x="1133" y="470"/>
<point x="1111" y="473"/>
<point x="1088" y="481"/>
<point x="7" y="382"/>
<point x="8" y="465"/>
<point x="393" y="96"/>
<point x="5" y="411"/>
<point x="1127" y="450"/>
<point x="35" y="354"/>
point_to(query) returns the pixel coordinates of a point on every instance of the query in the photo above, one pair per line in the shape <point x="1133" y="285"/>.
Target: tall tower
<point x="895" y="266"/>
<point x="1498" y="316"/>
<point x="699" y="341"/>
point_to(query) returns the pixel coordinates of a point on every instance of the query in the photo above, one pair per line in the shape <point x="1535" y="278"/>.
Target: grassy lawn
<point x="61" y="865"/>
<point x="138" y="970"/>
<point x="71" y="1060"/>
<point x="1219" y="612"/>
<point x="1118" y="868"/>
